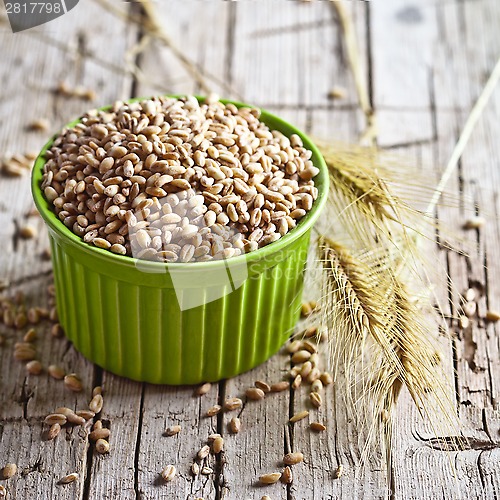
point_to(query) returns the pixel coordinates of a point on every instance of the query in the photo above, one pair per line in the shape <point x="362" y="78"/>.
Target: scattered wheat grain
<point x="263" y="386"/>
<point x="233" y="404"/>
<point x="474" y="223"/>
<point x="287" y="476"/>
<point x="102" y="433"/>
<point x="214" y="410"/>
<point x="173" y="430"/>
<point x="299" y="416"/>
<point x="96" y="403"/>
<point x="203" y="452"/>
<point x="9" y="471"/>
<point x="168" y="473"/>
<point x="235" y="425"/>
<point x="85" y="414"/>
<point x="280" y="386"/>
<point x="56" y="372"/>
<point x="55" y="418"/>
<point x="30" y="335"/>
<point x="57" y="331"/>
<point x="492" y="315"/>
<point x="470" y="309"/>
<point x="297" y="382"/>
<point x="39" y="125"/>
<point x="293" y="458"/>
<point x="70" y="478"/>
<point x="326" y="378"/>
<point x="293" y="347"/>
<point x="339" y="471"/>
<point x="28" y="232"/>
<point x="255" y="394"/>
<point x="203" y="389"/>
<point x="315" y="399"/>
<point x="317" y="426"/>
<point x="54" y="431"/>
<point x="102" y="446"/>
<point x="34" y="367"/>
<point x="217" y="445"/>
<point x="270" y="478"/>
<point x="73" y="382"/>
<point x="301" y="356"/>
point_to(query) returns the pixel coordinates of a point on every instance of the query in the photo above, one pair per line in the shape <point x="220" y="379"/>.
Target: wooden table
<point x="426" y="63"/>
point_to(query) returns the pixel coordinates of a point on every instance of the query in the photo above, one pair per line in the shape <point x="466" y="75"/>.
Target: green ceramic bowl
<point x="180" y="323"/>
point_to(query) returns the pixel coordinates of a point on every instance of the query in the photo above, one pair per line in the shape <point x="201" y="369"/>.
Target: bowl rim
<point x="55" y="224"/>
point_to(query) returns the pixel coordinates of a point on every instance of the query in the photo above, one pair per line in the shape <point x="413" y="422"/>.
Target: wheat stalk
<point x="351" y="45"/>
<point x="379" y="343"/>
<point x="466" y="133"/>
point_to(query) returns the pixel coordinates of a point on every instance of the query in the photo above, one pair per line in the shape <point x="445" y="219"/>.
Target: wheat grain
<point x="214" y="410"/>
<point x="54" y="431"/>
<point x="30" y="335"/>
<point x="56" y="372"/>
<point x="286" y="476"/>
<point x="299" y="416"/>
<point x="9" y="471"/>
<point x="217" y="445"/>
<point x="73" y="382"/>
<point x="301" y="356"/>
<point x="102" y="446"/>
<point x="492" y="315"/>
<point x="254" y="393"/>
<point x="235" y="425"/>
<point x="272" y="478"/>
<point x="297" y="382"/>
<point x="263" y="386"/>
<point x="317" y="426"/>
<point x="96" y="403"/>
<point x="316" y="399"/>
<point x="203" y="452"/>
<point x="168" y="473"/>
<point x="134" y="211"/>
<point x="34" y="367"/>
<point x="102" y="433"/>
<point x="474" y="223"/>
<point x="339" y="471"/>
<point x="173" y="430"/>
<point x="293" y="458"/>
<point x="233" y="404"/>
<point x="70" y="478"/>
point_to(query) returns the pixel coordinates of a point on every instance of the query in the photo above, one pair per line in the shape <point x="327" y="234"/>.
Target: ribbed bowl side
<point x="140" y="332"/>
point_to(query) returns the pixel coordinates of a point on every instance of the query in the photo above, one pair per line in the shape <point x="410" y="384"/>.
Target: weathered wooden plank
<point x="62" y="50"/>
<point x="341" y="443"/>
<point x="185" y="23"/>
<point x="470" y="28"/>
<point x="403" y="40"/>
<point x="114" y="475"/>
<point x="259" y="447"/>
<point x="290" y="53"/>
<point x="163" y="407"/>
<point x="41" y="464"/>
<point x="415" y="474"/>
<point x="418" y="477"/>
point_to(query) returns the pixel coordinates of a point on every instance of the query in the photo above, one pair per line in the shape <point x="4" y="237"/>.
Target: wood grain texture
<point x="427" y="62"/>
<point x="441" y="104"/>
